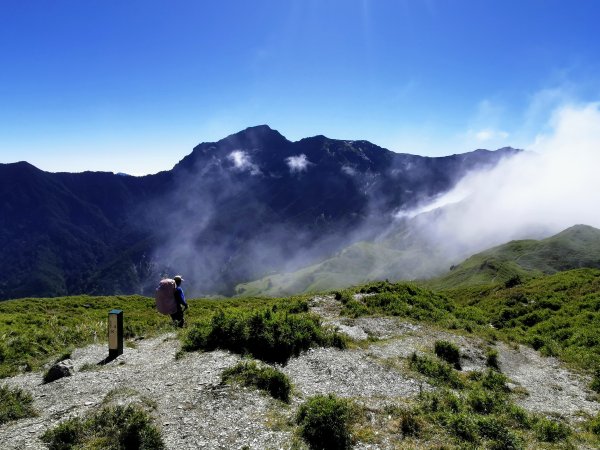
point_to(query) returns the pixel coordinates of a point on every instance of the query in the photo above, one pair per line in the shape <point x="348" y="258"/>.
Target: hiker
<point x="180" y="301"/>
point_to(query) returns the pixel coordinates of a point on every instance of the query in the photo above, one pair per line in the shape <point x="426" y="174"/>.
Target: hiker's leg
<point x="178" y="318"/>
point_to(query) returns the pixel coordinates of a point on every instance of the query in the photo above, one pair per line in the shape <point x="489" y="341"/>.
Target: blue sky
<point x="133" y="86"/>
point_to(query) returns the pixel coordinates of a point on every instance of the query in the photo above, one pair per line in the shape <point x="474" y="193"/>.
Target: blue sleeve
<point x="180" y="297"/>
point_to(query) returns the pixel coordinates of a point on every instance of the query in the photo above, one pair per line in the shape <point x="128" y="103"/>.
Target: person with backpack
<point x="180" y="301"/>
<point x="170" y="299"/>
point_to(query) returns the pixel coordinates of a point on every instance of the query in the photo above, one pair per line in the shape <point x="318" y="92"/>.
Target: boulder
<point x="59" y="370"/>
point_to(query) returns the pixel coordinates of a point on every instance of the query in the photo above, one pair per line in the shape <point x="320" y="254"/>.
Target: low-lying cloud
<point x="297" y="163"/>
<point x="242" y="162"/>
<point x="542" y="191"/>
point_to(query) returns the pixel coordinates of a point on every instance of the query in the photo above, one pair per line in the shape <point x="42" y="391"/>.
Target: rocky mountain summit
<point x="194" y="409"/>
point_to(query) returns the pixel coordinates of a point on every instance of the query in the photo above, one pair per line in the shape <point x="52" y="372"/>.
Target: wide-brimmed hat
<point x="178" y="278"/>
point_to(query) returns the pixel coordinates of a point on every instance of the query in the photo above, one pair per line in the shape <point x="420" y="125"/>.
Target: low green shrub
<point x="595" y="384"/>
<point x="548" y="430"/>
<point x="396" y="299"/>
<point x="448" y="352"/>
<point x="483" y="401"/>
<point x="344" y="296"/>
<point x="518" y="417"/>
<point x="439" y="372"/>
<point x="266" y="378"/>
<point x="15" y="404"/>
<point x="354" y="308"/>
<point x="272" y="335"/>
<point x="325" y="422"/>
<point x="441" y="401"/>
<point x="491" y="359"/>
<point x="115" y="428"/>
<point x="507" y="441"/>
<point x="593" y="425"/>
<point x="491" y="428"/>
<point x="464" y="427"/>
<point x="411" y="423"/>
<point x="494" y="381"/>
<point x="480" y="415"/>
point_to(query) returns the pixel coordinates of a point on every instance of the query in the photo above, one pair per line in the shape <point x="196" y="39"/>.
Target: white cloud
<point x="534" y="194"/>
<point x="297" y="163"/>
<point x="489" y="134"/>
<point x="242" y="162"/>
<point x="348" y="170"/>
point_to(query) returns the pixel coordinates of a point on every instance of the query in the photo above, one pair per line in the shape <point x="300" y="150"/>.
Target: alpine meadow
<point x="343" y="224"/>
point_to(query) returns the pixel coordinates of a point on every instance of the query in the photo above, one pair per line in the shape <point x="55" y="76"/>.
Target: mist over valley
<point x="230" y="212"/>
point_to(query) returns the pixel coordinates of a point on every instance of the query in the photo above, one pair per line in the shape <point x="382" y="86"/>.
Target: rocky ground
<point x="194" y="410"/>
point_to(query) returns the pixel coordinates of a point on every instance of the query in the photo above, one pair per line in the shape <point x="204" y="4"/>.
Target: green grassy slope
<point x="558" y="314"/>
<point x="405" y="255"/>
<point x="575" y="247"/>
<point x="360" y="263"/>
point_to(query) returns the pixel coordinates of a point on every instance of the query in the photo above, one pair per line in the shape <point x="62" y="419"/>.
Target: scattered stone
<point x="59" y="370"/>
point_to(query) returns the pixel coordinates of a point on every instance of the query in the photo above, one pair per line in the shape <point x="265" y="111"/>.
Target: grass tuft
<point x="325" y="422"/>
<point x="439" y="372"/>
<point x="15" y="404"/>
<point x="266" y="378"/>
<point x="548" y="430"/>
<point x="118" y="428"/>
<point x="448" y="352"/>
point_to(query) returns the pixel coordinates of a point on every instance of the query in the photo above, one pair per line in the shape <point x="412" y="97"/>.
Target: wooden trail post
<point x="115" y="333"/>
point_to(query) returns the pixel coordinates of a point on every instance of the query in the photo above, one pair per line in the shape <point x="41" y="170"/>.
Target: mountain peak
<point x="256" y="132"/>
<point x="580" y="231"/>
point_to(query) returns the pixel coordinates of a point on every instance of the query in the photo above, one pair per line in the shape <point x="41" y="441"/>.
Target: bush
<point x="438" y="371"/>
<point x="595" y="384"/>
<point x="343" y="296"/>
<point x="411" y="423"/>
<point x="441" y="401"/>
<point x="507" y="441"/>
<point x="325" y="422"/>
<point x="491" y="428"/>
<point x="354" y="308"/>
<point x="270" y="334"/>
<point x="491" y="359"/>
<point x="15" y="404"/>
<point x="448" y="352"/>
<point x="463" y="426"/>
<point x="594" y="425"/>
<point x="513" y="281"/>
<point x="484" y="402"/>
<point x="551" y="431"/>
<point x="266" y="378"/>
<point x="519" y="416"/>
<point x="118" y="428"/>
<point x="494" y="381"/>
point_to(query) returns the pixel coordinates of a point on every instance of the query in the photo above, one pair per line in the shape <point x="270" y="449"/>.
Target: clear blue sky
<point x="133" y="86"/>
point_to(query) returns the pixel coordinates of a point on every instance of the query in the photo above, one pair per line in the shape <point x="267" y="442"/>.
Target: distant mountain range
<point x="230" y="212"/>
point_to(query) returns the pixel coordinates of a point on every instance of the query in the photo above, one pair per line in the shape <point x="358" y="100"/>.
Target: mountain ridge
<point x="241" y="207"/>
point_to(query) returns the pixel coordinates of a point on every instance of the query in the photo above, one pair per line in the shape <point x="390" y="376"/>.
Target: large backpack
<point x="165" y="296"/>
